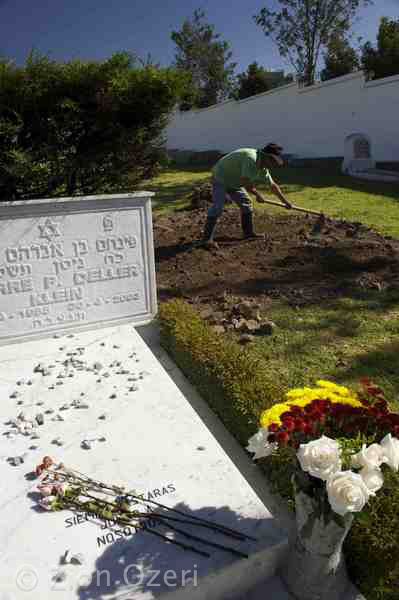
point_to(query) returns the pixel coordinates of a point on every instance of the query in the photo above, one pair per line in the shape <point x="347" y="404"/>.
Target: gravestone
<point x="359" y="163"/>
<point x="357" y="156"/>
<point x="79" y="274"/>
<point x="75" y="263"/>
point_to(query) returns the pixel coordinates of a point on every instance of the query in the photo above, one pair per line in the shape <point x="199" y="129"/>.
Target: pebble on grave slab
<point x="15" y="461"/>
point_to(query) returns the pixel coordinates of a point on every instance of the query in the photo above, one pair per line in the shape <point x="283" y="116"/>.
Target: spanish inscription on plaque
<point x="75" y="264"/>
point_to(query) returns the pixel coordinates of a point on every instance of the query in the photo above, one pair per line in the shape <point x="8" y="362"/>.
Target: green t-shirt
<point x="240" y="163"/>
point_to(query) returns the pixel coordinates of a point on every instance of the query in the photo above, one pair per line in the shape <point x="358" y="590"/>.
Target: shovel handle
<point x="305" y="210"/>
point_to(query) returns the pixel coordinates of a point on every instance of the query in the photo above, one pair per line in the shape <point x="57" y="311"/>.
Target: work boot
<point x="248" y="227"/>
<point x="209" y="229"/>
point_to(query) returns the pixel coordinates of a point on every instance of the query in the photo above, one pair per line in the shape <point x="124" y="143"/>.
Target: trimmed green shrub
<point x="372" y="546"/>
<point x="235" y="382"/>
<point x="237" y="385"/>
<point x="82" y="127"/>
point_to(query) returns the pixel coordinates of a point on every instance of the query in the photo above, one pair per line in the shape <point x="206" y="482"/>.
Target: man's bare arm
<point x="277" y="192"/>
<point x="249" y="187"/>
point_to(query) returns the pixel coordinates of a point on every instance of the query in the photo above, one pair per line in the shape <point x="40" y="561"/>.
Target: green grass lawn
<point x="373" y="203"/>
<point x="342" y="341"/>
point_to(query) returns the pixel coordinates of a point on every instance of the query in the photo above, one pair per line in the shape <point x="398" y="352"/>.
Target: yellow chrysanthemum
<point x="303" y="396"/>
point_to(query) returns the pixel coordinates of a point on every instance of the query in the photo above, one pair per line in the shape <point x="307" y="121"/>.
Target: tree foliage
<point x="202" y="54"/>
<point x="256" y="79"/>
<point x="81" y="127"/>
<point x="302" y="28"/>
<point x="383" y="61"/>
<point x="340" y="59"/>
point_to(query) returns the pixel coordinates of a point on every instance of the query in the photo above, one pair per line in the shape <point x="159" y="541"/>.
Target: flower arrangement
<point x="338" y="437"/>
<point x="65" y="488"/>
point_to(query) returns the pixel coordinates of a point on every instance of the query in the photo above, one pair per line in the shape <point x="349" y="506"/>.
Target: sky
<point x="96" y="29"/>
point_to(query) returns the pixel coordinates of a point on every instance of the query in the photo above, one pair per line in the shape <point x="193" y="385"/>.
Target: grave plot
<point x="108" y="410"/>
<point x="89" y="394"/>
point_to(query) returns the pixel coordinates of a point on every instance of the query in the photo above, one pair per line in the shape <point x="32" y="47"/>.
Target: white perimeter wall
<point x="311" y="122"/>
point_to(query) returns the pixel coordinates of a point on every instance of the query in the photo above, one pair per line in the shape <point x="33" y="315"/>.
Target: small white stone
<point x="58" y="417"/>
<point x="60" y="576"/>
<point x="58" y="441"/>
<point x="39" y="419"/>
<point x="35" y="436"/>
<point x="86" y="444"/>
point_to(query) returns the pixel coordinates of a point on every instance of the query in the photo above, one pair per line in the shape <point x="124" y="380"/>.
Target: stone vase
<point x="315" y="567"/>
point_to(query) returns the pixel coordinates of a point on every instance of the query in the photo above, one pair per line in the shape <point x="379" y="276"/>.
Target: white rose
<point x="259" y="445"/>
<point x="321" y="458"/>
<point x="347" y="492"/>
<point x="370" y="458"/>
<point x="373" y="479"/>
<point x="390" y="448"/>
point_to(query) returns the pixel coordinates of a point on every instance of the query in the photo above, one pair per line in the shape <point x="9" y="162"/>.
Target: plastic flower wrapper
<point x="259" y="445"/>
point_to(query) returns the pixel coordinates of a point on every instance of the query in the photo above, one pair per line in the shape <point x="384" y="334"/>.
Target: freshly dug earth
<point x="290" y="263"/>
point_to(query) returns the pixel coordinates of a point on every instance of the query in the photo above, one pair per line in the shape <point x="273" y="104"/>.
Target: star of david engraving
<point x="49" y="230"/>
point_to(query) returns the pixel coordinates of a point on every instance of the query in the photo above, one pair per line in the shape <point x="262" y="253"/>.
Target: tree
<point x="383" y="61"/>
<point x="301" y="28"/>
<point x="205" y="58"/>
<point x="340" y="59"/>
<point x="257" y="79"/>
<point x="82" y="128"/>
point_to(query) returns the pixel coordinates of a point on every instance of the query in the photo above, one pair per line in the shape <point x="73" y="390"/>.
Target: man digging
<point x="235" y="175"/>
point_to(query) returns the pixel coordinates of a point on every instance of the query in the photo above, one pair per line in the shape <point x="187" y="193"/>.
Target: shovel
<point x="318" y="226"/>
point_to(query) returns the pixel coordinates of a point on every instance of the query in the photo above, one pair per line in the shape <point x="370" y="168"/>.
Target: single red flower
<point x="308" y="428"/>
<point x="289" y="424"/>
<point x="299" y="424"/>
<point x="296" y="410"/>
<point x="287" y="415"/>
<point x="283" y="437"/>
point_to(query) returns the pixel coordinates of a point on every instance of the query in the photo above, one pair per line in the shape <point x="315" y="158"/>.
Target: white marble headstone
<point x="358" y="155"/>
<point x="75" y="263"/>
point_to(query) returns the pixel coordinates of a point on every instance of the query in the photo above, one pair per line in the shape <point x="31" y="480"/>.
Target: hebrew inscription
<point x="78" y="268"/>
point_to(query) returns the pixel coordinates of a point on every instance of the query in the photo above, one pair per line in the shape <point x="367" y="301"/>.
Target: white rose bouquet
<point x="339" y="441"/>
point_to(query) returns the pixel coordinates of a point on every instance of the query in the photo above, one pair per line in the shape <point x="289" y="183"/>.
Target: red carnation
<point x="289" y="424"/>
<point x="286" y="415"/>
<point x="300" y="425"/>
<point x="308" y="428"/>
<point x="282" y="437"/>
